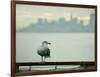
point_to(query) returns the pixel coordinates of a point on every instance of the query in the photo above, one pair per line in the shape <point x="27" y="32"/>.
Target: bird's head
<point x="45" y="42"/>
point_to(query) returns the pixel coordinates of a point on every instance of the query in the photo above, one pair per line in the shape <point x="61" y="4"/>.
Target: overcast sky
<point x="27" y="14"/>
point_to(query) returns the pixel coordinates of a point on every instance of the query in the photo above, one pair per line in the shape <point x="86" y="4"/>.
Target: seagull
<point x="44" y="51"/>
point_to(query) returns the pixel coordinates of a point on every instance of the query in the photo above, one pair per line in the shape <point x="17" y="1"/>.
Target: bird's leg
<point x="55" y="67"/>
<point x="42" y="59"/>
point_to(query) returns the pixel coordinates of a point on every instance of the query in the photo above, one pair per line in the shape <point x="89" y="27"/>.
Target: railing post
<point x="29" y="68"/>
<point x="17" y="68"/>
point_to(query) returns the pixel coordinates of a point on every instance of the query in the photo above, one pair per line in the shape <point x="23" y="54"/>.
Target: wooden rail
<point x="53" y="63"/>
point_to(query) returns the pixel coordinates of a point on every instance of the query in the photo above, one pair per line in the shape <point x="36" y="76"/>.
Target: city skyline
<point x="60" y="26"/>
<point x="27" y="14"/>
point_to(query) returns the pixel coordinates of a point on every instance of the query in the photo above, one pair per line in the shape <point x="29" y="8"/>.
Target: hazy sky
<point x="27" y="14"/>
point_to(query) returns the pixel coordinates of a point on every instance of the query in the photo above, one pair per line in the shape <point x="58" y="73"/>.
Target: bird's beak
<point x="49" y="43"/>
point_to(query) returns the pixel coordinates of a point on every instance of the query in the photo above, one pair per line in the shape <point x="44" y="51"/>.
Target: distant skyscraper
<point x="40" y="21"/>
<point x="71" y="17"/>
<point x="45" y="21"/>
<point x="81" y="22"/>
<point x="92" y="19"/>
<point x="62" y="20"/>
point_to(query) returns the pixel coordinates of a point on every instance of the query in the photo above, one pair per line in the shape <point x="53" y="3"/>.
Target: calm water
<point x="64" y="46"/>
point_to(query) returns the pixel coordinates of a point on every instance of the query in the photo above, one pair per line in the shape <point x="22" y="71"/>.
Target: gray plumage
<point x="44" y="51"/>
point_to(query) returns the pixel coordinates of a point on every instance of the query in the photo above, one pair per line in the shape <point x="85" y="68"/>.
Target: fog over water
<point x="64" y="46"/>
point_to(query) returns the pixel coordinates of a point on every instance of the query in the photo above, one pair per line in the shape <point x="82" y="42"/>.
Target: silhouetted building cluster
<point x="60" y="26"/>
